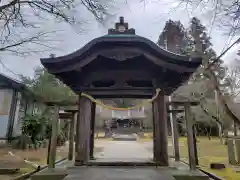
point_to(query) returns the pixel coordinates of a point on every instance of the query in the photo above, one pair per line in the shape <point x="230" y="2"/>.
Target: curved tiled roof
<point x="114" y="41"/>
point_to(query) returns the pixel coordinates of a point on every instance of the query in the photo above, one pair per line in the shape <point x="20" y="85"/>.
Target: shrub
<point x="34" y="127"/>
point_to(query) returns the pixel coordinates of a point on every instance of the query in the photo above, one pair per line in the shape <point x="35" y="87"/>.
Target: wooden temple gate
<point x="122" y="65"/>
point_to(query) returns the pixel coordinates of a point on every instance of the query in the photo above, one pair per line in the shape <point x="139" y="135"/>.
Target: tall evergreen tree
<point x="194" y="40"/>
<point x="203" y="47"/>
<point x="174" y="37"/>
<point x="216" y="73"/>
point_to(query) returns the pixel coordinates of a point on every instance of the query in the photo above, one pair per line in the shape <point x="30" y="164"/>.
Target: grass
<point x="209" y="151"/>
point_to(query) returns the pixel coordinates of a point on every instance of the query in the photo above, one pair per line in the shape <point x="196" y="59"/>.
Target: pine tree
<point x="174" y="37"/>
<point x="203" y="47"/>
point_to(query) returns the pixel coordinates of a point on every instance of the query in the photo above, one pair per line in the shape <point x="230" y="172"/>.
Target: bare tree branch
<point x="19" y="14"/>
<point x="223" y="13"/>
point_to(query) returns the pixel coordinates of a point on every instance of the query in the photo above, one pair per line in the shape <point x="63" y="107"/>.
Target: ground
<point x="38" y="157"/>
<point x="211" y="151"/>
<point x="123" y="149"/>
<point x="208" y="151"/>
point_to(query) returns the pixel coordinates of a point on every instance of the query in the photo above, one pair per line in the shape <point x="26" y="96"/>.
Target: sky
<point x="148" y="19"/>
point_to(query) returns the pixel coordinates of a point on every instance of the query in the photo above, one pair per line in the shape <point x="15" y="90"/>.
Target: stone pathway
<point x="130" y="151"/>
<point x="123" y="150"/>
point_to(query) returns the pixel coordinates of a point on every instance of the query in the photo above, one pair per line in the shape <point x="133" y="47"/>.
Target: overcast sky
<point x="147" y="19"/>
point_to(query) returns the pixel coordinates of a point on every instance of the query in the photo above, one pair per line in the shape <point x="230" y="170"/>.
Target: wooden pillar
<point x="195" y="144"/>
<point x="49" y="147"/>
<point x="154" y="135"/>
<point x="93" y="113"/>
<point x="231" y="152"/>
<point x="160" y="131"/>
<point x="53" y="145"/>
<point x="83" y="131"/>
<point x="190" y="140"/>
<point x="78" y="131"/>
<point x="237" y="144"/>
<point x="71" y="136"/>
<point x="235" y="128"/>
<point x="175" y="136"/>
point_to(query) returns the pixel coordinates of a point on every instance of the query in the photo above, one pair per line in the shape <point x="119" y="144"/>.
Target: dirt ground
<point x="38" y="157"/>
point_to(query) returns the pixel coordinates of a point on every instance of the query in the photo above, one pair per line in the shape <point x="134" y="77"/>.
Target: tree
<point x="45" y="85"/>
<point x="192" y="41"/>
<point x="225" y="13"/>
<point x="21" y="20"/>
<point x="212" y="70"/>
<point x="203" y="46"/>
<point x="180" y="40"/>
<point x="197" y="42"/>
<point x="215" y="75"/>
<point x="174" y="37"/>
<point x="232" y="79"/>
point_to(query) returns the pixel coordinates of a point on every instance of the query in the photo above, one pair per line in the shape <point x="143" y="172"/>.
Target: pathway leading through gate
<point x="124" y="151"/>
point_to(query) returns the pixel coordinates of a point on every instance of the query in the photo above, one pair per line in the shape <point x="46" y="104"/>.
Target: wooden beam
<point x="190" y="140"/>
<point x="73" y="109"/>
<point x="108" y="93"/>
<point x="118" y="75"/>
<point x="93" y="113"/>
<point x="65" y="115"/>
<point x="53" y="147"/>
<point x="175" y="110"/>
<point x="71" y="136"/>
<point x="160" y="130"/>
<point x="182" y="103"/>
<point x="61" y="103"/>
<point x="116" y="92"/>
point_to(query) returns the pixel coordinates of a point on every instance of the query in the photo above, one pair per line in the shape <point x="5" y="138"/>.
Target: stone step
<point x="120" y="164"/>
<point x="124" y="137"/>
<point x="117" y="173"/>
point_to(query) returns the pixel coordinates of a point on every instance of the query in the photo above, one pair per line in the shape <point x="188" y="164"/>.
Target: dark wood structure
<point x="121" y="65"/>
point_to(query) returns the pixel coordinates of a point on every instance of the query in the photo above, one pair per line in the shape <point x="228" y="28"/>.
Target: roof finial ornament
<point x="121" y="27"/>
<point x="121" y="19"/>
